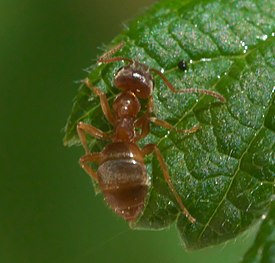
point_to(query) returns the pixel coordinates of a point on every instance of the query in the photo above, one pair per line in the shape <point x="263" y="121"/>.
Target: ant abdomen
<point x="127" y="202"/>
<point x="123" y="179"/>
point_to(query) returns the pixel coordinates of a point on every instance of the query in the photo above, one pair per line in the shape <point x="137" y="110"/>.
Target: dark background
<point x="48" y="209"/>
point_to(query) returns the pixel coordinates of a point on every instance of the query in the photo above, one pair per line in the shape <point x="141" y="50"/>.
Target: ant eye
<point x="182" y="65"/>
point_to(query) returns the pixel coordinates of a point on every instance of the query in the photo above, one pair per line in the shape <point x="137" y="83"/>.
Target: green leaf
<point x="263" y="249"/>
<point x="225" y="172"/>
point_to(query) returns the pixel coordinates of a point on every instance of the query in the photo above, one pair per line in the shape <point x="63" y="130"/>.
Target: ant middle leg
<point x="152" y="148"/>
<point x="167" y="125"/>
<point x="83" y="128"/>
<point x="103" y="101"/>
<point x="144" y="123"/>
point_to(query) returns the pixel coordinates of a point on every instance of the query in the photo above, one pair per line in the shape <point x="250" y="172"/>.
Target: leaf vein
<point x="230" y="184"/>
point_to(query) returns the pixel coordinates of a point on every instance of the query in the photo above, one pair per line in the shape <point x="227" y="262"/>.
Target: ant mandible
<point x="121" y="172"/>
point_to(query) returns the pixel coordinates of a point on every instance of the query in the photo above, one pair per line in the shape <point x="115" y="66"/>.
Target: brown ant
<point x="121" y="174"/>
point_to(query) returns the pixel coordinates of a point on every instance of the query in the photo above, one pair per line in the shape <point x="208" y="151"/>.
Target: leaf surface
<point x="225" y="172"/>
<point x="263" y="249"/>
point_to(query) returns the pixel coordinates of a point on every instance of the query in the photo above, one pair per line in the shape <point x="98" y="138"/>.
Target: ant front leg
<point x="152" y="148"/>
<point x="144" y="121"/>
<point x="103" y="101"/>
<point x="90" y="158"/>
<point x="144" y="124"/>
<point x="83" y="128"/>
<point x="190" y="90"/>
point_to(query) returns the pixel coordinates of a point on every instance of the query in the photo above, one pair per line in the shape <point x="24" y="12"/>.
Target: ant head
<point x="135" y="77"/>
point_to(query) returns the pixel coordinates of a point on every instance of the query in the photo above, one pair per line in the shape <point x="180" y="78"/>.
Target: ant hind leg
<point x="152" y="148"/>
<point x="89" y="158"/>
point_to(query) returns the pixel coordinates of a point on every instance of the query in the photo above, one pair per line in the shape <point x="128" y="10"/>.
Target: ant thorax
<point x="126" y="104"/>
<point x="126" y="108"/>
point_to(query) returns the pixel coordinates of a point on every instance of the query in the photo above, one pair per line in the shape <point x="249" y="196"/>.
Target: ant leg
<point x="103" y="101"/>
<point x="150" y="148"/>
<point x="83" y="128"/>
<point x="150" y="105"/>
<point x="191" y="90"/>
<point x="144" y="121"/>
<point x="167" y="125"/>
<point x="89" y="158"/>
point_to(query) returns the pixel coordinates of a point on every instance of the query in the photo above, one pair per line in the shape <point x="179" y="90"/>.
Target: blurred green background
<point x="48" y="209"/>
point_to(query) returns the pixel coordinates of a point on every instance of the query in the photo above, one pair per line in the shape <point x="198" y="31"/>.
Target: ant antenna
<point x="110" y="60"/>
<point x="107" y="56"/>
<point x="190" y="90"/>
<point x="112" y="51"/>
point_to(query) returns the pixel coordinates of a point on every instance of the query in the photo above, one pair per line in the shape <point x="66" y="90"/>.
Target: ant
<point x="121" y="172"/>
